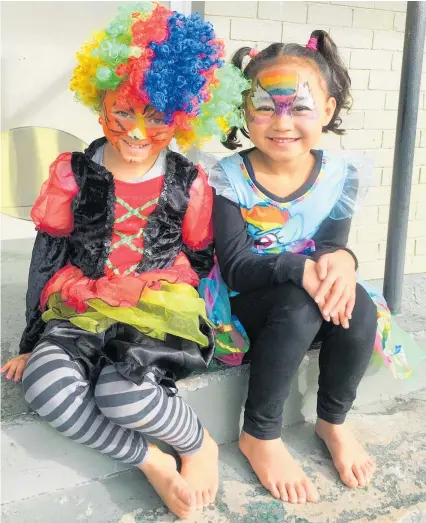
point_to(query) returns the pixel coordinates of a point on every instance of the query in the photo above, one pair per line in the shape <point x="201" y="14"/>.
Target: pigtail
<point x="339" y="82"/>
<point x="232" y="142"/>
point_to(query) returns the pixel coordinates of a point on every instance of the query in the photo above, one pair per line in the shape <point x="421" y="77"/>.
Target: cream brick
<point x="420" y="156"/>
<point x="386" y="176"/>
<point x="418" y="194"/>
<point x="399" y="22"/>
<point x="330" y="142"/>
<point x="397" y="62"/>
<point x="285" y="11"/>
<point x="362" y="139"/>
<point x="372" y="270"/>
<point x="383" y="214"/>
<point x="366" y="252"/>
<point x="359" y="79"/>
<point x="421" y="211"/>
<point x="369" y="59"/>
<point x="415" y="265"/>
<point x="352" y="120"/>
<point x="257" y="30"/>
<point x="381" y="157"/>
<point x="423" y="138"/>
<point x="416" y="229"/>
<point x="388" y="141"/>
<point x="422" y="177"/>
<point x="329" y="15"/>
<point x="299" y="34"/>
<point x="231" y="46"/>
<point x="221" y="24"/>
<point x="421" y="120"/>
<point x="378" y="196"/>
<point x="371" y="233"/>
<point x="366" y="216"/>
<point x="231" y="8"/>
<point x="420" y="246"/>
<point x="376" y="178"/>
<point x="391" y="6"/>
<point x="384" y="80"/>
<point x="391" y="102"/>
<point x="372" y="19"/>
<point x="380" y="119"/>
<point x="352" y="235"/>
<point x="367" y="99"/>
<point x="388" y="40"/>
<point x="348" y="3"/>
<point x="352" y="38"/>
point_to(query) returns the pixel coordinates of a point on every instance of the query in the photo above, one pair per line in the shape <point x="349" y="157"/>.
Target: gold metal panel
<point x="27" y="153"/>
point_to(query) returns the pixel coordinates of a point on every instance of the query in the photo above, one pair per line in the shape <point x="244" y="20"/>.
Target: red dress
<point x="134" y="202"/>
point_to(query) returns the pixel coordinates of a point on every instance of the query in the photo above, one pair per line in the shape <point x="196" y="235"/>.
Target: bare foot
<point x="277" y="470"/>
<point x="201" y="471"/>
<point x="160" y="470"/>
<point x="354" y="465"/>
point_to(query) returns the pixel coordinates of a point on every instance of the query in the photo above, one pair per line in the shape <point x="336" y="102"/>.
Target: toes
<point x="212" y="494"/>
<point x="186" y="497"/>
<point x="206" y="498"/>
<point x="366" y="471"/>
<point x="283" y="492"/>
<point x="359" y="474"/>
<point x="301" y="493"/>
<point x="311" y="492"/>
<point x="348" y="478"/>
<point x="273" y="489"/>
<point x="199" y="498"/>
<point x="292" y="494"/>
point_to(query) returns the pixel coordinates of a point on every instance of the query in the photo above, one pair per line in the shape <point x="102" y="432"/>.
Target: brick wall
<point x="370" y="37"/>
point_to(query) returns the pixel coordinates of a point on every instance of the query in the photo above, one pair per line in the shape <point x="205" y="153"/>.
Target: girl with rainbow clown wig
<point x="124" y="235"/>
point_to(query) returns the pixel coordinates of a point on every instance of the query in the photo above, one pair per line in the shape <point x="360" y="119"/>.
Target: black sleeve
<point x="49" y="255"/>
<point x="241" y="268"/>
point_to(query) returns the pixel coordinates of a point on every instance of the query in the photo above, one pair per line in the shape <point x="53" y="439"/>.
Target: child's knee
<point x="364" y="314"/>
<point x="49" y="380"/>
<point x="297" y="304"/>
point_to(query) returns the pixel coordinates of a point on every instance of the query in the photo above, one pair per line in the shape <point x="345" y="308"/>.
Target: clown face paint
<point x="286" y="110"/>
<point x="135" y="132"/>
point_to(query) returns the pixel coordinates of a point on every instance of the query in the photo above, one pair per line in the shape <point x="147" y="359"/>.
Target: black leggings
<point x="282" y="322"/>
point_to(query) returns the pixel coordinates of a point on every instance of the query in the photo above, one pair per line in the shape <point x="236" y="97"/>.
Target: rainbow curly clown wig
<point x="172" y="62"/>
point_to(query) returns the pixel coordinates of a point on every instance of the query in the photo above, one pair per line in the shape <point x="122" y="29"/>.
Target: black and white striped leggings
<point x="115" y="417"/>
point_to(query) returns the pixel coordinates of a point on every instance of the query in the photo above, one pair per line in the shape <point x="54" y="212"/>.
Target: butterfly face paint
<point x="280" y="94"/>
<point x="136" y="132"/>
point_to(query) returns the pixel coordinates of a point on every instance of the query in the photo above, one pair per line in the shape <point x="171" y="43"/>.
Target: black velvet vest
<point x="93" y="210"/>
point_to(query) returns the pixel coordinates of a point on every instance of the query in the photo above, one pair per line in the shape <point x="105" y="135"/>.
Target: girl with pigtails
<point x="281" y="219"/>
<point x="124" y="234"/>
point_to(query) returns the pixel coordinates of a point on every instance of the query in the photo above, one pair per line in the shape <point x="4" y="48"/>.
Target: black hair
<point x="326" y="58"/>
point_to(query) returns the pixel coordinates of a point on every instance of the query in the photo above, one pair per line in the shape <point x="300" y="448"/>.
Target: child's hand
<point x="336" y="294"/>
<point x="311" y="282"/>
<point x="15" y="367"/>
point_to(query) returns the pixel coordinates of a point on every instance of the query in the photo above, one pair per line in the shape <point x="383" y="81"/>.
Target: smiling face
<point x="137" y="132"/>
<point x="287" y="108"/>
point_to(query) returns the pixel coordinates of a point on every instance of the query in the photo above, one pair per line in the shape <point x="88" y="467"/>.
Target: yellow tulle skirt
<point x="173" y="308"/>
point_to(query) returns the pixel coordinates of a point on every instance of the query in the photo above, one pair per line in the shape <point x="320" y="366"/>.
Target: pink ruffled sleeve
<point x="52" y="210"/>
<point x="197" y="231"/>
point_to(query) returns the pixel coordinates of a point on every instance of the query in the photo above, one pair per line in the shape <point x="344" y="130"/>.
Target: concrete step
<point x="46" y="477"/>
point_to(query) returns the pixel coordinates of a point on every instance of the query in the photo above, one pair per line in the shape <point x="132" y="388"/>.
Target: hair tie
<point x="312" y="44"/>
<point x="253" y="52"/>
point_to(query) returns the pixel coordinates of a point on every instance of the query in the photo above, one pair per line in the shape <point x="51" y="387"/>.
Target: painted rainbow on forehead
<point x="152" y="55"/>
<point x="279" y="84"/>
